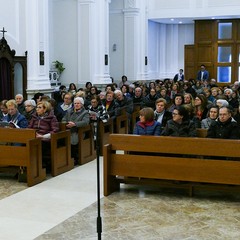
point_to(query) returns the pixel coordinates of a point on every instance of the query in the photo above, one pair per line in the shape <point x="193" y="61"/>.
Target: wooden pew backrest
<point x="23" y="149"/>
<point x="171" y="158"/>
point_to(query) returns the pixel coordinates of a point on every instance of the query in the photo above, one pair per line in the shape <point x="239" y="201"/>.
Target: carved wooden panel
<point x="189" y="71"/>
<point x="204" y="53"/>
<point x="204" y="31"/>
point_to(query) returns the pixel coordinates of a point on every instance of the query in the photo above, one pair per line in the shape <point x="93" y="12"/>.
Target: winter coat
<point x="151" y="128"/>
<point x="112" y="109"/>
<point x="80" y="118"/>
<point x="226" y="130"/>
<point x="126" y="103"/>
<point x="205" y="123"/>
<point x="166" y="116"/>
<point x="17" y="119"/>
<point x="100" y="112"/>
<point x="185" y="129"/>
<point x="149" y="101"/>
<point x="45" y="125"/>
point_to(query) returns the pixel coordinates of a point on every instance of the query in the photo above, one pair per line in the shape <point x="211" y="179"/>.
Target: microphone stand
<point x="99" y="219"/>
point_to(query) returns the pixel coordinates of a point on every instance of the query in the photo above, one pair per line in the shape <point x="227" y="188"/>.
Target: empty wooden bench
<point x="21" y="148"/>
<point x="192" y="160"/>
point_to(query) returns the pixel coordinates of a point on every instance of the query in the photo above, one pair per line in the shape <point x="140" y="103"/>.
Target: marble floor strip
<point x="65" y="208"/>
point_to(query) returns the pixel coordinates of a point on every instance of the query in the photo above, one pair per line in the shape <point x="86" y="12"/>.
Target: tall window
<point x="225" y="56"/>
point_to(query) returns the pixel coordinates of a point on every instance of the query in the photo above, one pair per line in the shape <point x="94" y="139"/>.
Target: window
<point x="224" y="74"/>
<point x="225" y="30"/>
<point x="224" y="54"/>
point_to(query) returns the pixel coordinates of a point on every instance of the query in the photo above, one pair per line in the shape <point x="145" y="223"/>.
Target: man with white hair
<point x="75" y="118"/>
<point x="138" y="97"/>
<point x="222" y="103"/>
<point x="236" y="86"/>
<point x="20" y="103"/>
<point x="124" y="102"/>
<point x="233" y="102"/>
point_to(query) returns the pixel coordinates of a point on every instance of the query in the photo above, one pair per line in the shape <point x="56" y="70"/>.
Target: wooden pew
<point x="105" y="129"/>
<point x="135" y="117"/>
<point x="121" y="123"/>
<point x="86" y="148"/>
<point x="201" y="132"/>
<point x="22" y="149"/>
<point x="61" y="153"/>
<point x="214" y="162"/>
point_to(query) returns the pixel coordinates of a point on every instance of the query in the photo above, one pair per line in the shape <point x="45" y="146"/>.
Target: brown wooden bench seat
<point x="60" y="148"/>
<point x="192" y="160"/>
<point x="22" y="149"/>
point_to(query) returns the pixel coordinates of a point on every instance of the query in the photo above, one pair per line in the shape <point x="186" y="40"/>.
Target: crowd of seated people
<point x="178" y="108"/>
<point x="203" y="101"/>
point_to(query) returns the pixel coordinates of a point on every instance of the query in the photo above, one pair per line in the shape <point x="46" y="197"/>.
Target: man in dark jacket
<point x="224" y="127"/>
<point x="124" y="102"/>
<point x="137" y="97"/>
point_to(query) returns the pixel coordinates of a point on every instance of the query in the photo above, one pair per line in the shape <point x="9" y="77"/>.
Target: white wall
<point x="63" y="37"/>
<point x="166" y="48"/>
<point x="12" y="18"/>
<point x="116" y="36"/>
<point x="165" y="42"/>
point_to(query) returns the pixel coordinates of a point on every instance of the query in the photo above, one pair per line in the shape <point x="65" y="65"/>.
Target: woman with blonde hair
<point x="14" y="117"/>
<point x="44" y="121"/>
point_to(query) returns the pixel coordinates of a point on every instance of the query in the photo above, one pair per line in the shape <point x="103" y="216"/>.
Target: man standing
<point x="179" y="76"/>
<point x="224" y="127"/>
<point x="203" y="74"/>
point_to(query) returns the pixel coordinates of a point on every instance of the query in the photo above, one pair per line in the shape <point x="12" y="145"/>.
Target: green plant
<point x="59" y="66"/>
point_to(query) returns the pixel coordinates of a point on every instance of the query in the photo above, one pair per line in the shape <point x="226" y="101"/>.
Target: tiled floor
<point x="65" y="208"/>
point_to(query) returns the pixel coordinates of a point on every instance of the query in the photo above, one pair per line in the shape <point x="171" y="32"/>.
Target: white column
<point x="36" y="42"/>
<point x="135" y="39"/>
<point x="93" y="39"/>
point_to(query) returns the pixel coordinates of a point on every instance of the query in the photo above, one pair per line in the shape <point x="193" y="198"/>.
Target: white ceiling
<point x="187" y="20"/>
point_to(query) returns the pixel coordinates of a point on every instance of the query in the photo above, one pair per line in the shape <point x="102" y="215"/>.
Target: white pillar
<point x="37" y="44"/>
<point x="135" y="40"/>
<point x="93" y="39"/>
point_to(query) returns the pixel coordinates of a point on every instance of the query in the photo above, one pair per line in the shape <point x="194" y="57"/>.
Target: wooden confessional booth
<point x="13" y="72"/>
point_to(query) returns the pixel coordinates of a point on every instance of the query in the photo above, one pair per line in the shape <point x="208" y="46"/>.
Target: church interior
<point x="97" y="41"/>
